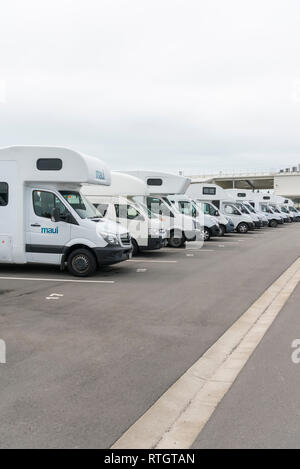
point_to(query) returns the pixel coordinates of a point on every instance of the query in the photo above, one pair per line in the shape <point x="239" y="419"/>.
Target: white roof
<point x="76" y="167"/>
<point x="121" y="184"/>
<point x="160" y="183"/>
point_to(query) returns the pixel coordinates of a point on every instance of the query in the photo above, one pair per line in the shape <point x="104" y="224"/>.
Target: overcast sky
<point x="157" y="84"/>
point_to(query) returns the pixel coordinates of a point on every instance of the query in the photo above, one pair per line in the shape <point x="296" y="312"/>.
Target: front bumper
<point x="258" y="224"/>
<point x="229" y="227"/>
<point x="154" y="243"/>
<point x="112" y="255"/>
<point x="214" y="230"/>
<point x="251" y="226"/>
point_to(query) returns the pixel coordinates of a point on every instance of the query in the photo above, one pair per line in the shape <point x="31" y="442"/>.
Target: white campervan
<point x="45" y="219"/>
<point x="292" y="209"/>
<point x="180" y="228"/>
<point x="261" y="203"/>
<point x="239" y="196"/>
<point x="278" y="205"/>
<point x="244" y="196"/>
<point x="188" y="207"/>
<point x="116" y="203"/>
<point x="215" y="194"/>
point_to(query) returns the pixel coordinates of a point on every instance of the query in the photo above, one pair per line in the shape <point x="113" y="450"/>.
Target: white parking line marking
<point x="141" y="270"/>
<point x="180" y="414"/>
<point x="54" y="296"/>
<point x="32" y="279"/>
<point x="152" y="260"/>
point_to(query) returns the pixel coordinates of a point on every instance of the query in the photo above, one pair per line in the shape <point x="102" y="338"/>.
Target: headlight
<point x="110" y="238"/>
<point x="154" y="232"/>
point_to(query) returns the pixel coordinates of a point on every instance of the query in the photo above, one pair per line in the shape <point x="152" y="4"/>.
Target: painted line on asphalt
<point x="37" y="279"/>
<point x="180" y="414"/>
<point x="152" y="260"/>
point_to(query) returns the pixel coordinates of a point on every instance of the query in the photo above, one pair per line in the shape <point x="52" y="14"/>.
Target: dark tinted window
<point x="3" y="194"/>
<point x="241" y="194"/>
<point x="127" y="212"/>
<point x="209" y="191"/>
<point x="49" y="164"/>
<point x="45" y="202"/>
<point x="266" y="197"/>
<point x="102" y="208"/>
<point x="154" y="182"/>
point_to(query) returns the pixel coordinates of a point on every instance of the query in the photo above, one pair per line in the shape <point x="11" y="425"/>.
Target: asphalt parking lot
<point x="85" y="359"/>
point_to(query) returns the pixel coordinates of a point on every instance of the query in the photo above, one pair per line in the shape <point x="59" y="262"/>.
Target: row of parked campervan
<point x="61" y="207"/>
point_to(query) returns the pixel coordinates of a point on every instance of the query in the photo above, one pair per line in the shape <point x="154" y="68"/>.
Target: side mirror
<point x="217" y="213"/>
<point x="55" y="217"/>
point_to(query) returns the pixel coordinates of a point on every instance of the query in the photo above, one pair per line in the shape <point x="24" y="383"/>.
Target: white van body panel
<point x="160" y="185"/>
<point x="219" y="197"/>
<point x="121" y="193"/>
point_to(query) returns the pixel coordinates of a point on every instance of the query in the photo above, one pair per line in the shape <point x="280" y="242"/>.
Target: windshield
<point x="230" y="209"/>
<point x="82" y="206"/>
<point x="267" y="209"/>
<point x="146" y="209"/>
<point x="208" y="209"/>
<point x="250" y="208"/>
<point x="275" y="209"/>
<point x="284" y="210"/>
<point x="188" y="208"/>
<point x="242" y="208"/>
<point x="160" y="206"/>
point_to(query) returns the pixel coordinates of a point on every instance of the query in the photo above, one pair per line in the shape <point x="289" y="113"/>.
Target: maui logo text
<point x="49" y="230"/>
<point x="100" y="175"/>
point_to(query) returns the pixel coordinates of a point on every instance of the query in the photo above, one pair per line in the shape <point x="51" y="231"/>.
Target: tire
<point x="273" y="223"/>
<point x="222" y="230"/>
<point x="206" y="234"/>
<point x="176" y="241"/>
<point x="81" y="263"/>
<point x="242" y="228"/>
<point x="135" y="247"/>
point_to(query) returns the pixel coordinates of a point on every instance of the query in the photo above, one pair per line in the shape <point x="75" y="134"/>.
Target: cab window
<point x="127" y="212"/>
<point x="3" y="194"/>
<point x="44" y="203"/>
<point x="158" y="207"/>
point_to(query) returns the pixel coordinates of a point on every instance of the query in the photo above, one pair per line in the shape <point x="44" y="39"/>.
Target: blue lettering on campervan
<point x="100" y="175"/>
<point x="49" y="230"/>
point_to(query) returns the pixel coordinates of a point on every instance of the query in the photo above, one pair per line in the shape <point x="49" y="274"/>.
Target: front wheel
<point x="81" y="263"/>
<point x="222" y="230"/>
<point x="206" y="234"/>
<point x="135" y="247"/>
<point x="176" y="240"/>
<point x="273" y="223"/>
<point x="243" y="228"/>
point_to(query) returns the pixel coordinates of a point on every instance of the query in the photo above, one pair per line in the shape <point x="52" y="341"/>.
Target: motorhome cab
<point x="260" y="202"/>
<point x="226" y="225"/>
<point x="180" y="228"/>
<point x="224" y="202"/>
<point x="45" y="219"/>
<point x="292" y="209"/>
<point x="242" y="197"/>
<point x="188" y="207"/>
<point x="116" y="203"/>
